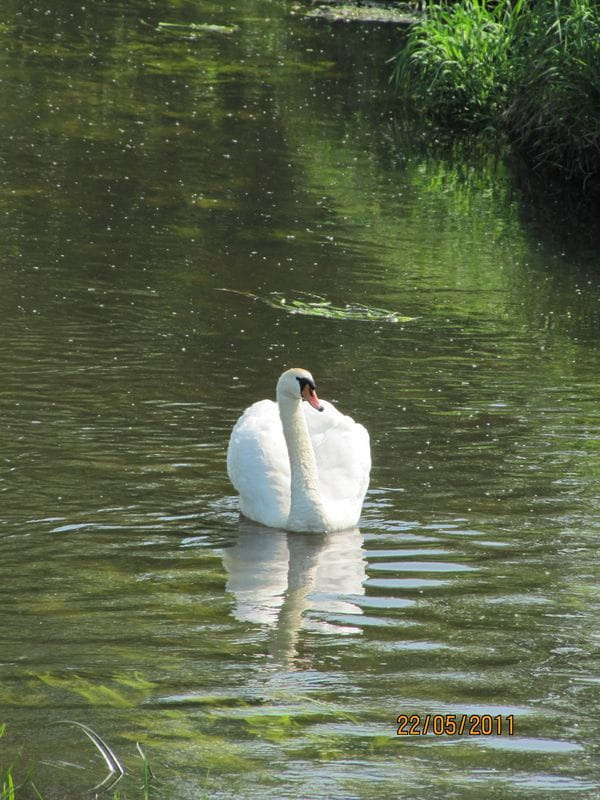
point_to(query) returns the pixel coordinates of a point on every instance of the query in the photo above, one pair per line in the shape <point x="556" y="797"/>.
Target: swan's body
<point x="296" y="468"/>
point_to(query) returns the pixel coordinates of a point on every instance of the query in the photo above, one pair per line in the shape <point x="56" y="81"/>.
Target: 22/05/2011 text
<point x="455" y="724"/>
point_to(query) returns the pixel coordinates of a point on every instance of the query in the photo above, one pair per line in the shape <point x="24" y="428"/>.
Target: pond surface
<point x="145" y="169"/>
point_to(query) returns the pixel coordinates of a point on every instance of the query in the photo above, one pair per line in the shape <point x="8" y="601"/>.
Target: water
<point x="143" y="172"/>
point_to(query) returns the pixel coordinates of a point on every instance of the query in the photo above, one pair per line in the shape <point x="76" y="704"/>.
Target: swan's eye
<point x="304" y="382"/>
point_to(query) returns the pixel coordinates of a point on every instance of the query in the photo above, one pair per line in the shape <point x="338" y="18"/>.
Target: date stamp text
<point x="455" y="724"/>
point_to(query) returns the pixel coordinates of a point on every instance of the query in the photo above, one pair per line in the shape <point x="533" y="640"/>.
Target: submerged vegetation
<point x="528" y="68"/>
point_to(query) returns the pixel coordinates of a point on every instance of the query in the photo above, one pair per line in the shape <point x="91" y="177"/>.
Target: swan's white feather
<point x="343" y="456"/>
<point x="258" y="463"/>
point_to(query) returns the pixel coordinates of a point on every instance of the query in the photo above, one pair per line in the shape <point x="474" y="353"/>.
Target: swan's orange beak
<point x="311" y="396"/>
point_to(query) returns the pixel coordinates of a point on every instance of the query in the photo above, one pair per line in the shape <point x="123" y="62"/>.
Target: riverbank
<point x="529" y="70"/>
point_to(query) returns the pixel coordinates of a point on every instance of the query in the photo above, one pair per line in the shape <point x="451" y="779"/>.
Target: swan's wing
<point x="258" y="464"/>
<point x="343" y="453"/>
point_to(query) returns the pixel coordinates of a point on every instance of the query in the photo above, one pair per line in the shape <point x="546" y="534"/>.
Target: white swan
<point x="296" y="468"/>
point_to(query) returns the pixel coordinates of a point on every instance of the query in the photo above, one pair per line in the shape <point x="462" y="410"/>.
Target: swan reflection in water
<point x="295" y="581"/>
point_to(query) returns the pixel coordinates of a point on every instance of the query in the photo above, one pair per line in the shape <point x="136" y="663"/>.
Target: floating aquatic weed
<point x="351" y="12"/>
<point x="192" y="30"/>
<point x="316" y="306"/>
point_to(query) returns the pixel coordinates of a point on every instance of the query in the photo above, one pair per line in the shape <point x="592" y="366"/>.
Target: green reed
<point x="456" y="61"/>
<point x="7" y="784"/>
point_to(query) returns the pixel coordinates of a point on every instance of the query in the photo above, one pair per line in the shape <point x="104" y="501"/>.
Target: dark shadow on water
<point x="560" y="211"/>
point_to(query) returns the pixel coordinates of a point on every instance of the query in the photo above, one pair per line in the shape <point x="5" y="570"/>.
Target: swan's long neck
<point x="306" y="507"/>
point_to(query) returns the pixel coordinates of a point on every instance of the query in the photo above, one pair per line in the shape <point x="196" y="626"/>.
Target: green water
<point x="143" y="171"/>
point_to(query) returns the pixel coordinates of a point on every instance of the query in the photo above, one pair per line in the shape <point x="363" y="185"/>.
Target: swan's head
<point x="298" y="384"/>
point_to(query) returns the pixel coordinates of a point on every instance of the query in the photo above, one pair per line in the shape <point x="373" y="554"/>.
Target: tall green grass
<point x="456" y="62"/>
<point x="7" y="783"/>
<point x="530" y="68"/>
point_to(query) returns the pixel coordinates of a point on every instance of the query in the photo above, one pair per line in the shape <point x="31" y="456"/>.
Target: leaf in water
<point x="320" y="307"/>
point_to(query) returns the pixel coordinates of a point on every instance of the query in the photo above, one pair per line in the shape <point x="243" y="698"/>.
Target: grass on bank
<point x="530" y="68"/>
<point x="13" y="788"/>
